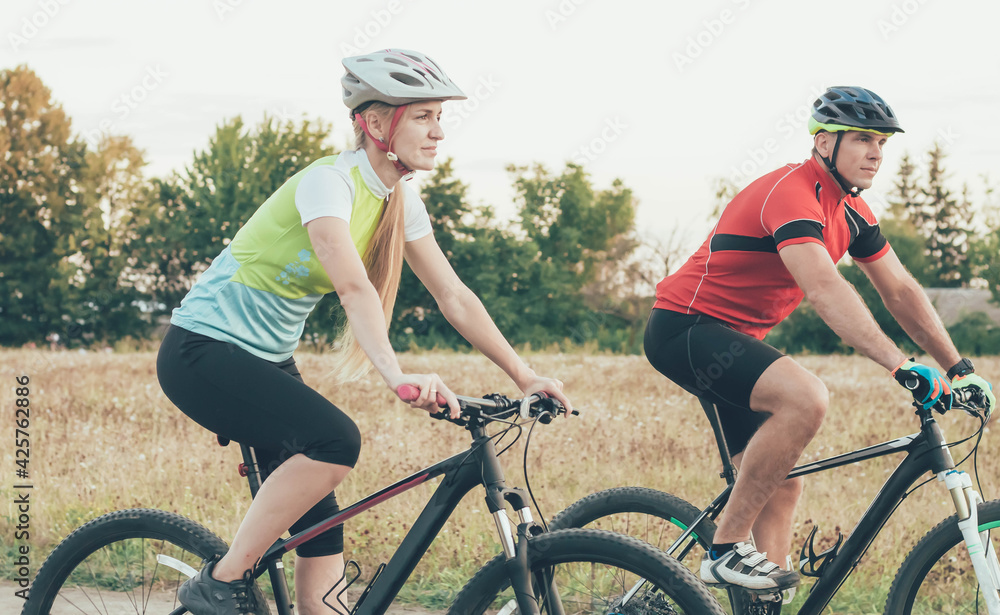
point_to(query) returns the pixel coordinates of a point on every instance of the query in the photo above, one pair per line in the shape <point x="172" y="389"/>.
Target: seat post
<point x="728" y="469"/>
<point x="252" y="471"/>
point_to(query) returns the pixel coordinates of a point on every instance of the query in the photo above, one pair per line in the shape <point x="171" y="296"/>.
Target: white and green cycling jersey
<point x="260" y="289"/>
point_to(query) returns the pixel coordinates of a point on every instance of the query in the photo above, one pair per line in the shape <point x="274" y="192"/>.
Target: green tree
<point x="984" y="251"/>
<point x="108" y="298"/>
<point x="938" y="215"/>
<point x="40" y="167"/>
<point x="904" y="200"/>
<point x="575" y="229"/>
<point x="551" y="279"/>
<point x="489" y="259"/>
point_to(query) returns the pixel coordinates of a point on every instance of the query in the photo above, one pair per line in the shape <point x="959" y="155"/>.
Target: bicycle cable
<point x="500" y="434"/>
<point x="527" y="484"/>
<point x="978" y="434"/>
<point x="520" y="429"/>
<point x="503" y="433"/>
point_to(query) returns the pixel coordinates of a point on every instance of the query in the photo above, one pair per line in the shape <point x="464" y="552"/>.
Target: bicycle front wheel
<point x="128" y="562"/>
<point x="590" y="571"/>
<point x="937" y="575"/>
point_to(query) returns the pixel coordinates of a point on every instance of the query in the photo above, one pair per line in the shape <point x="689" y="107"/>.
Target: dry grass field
<point x="104" y="437"/>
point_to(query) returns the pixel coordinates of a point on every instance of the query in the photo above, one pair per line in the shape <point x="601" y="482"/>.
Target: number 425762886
<point x="22" y="420"/>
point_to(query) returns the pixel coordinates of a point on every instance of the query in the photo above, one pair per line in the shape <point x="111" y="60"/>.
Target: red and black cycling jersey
<point x="737" y="275"/>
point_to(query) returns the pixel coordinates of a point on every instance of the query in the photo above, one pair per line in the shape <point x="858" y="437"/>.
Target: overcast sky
<point x="666" y="95"/>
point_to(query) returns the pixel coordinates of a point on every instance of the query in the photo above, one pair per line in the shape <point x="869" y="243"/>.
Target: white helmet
<point x="395" y="77"/>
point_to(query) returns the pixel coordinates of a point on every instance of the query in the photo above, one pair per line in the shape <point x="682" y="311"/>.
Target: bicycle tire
<point x="86" y="573"/>
<point x="613" y="563"/>
<point x="938" y="569"/>
<point x="658" y="518"/>
<point x="655" y="517"/>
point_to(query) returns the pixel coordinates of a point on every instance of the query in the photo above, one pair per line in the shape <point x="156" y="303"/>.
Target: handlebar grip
<point x="409" y="392"/>
<point x="911" y="384"/>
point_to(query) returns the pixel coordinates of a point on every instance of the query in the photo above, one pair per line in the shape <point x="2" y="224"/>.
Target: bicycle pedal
<point x="749" y="602"/>
<point x="763" y="607"/>
<point x="769" y="597"/>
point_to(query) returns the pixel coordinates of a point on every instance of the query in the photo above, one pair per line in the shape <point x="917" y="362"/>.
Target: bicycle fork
<point x="981" y="551"/>
<point x="516" y="557"/>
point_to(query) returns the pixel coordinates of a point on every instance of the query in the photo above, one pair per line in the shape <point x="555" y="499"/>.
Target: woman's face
<point x="417" y="135"/>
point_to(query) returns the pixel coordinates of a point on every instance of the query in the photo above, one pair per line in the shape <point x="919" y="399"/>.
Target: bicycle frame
<point x="925" y="450"/>
<point x="462" y="472"/>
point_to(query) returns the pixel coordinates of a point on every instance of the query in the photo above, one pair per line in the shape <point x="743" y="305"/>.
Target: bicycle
<point x="133" y="561"/>
<point x="935" y="577"/>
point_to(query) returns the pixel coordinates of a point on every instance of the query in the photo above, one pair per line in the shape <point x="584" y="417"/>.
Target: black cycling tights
<point x="262" y="404"/>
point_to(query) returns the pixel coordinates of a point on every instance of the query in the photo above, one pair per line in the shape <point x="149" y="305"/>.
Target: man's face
<point x="859" y="156"/>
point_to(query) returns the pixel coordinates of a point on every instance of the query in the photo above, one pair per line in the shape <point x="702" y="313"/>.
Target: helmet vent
<point x="396" y="61"/>
<point x="405" y="79"/>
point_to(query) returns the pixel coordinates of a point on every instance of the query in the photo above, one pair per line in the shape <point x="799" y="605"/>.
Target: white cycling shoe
<point x="745" y="567"/>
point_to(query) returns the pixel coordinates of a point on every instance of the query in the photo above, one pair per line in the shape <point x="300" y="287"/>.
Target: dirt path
<point x="11" y="604"/>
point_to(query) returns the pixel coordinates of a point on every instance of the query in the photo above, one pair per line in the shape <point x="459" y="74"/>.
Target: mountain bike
<point x="133" y="561"/>
<point x="952" y="569"/>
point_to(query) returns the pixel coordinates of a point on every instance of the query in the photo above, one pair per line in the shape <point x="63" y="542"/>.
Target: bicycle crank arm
<point x="176" y="564"/>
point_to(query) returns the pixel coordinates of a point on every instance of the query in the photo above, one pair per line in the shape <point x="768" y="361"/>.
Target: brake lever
<point x="527" y="401"/>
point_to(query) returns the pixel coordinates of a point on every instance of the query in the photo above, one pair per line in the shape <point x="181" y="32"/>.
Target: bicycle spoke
<point x="119" y="579"/>
<point x="152" y="576"/>
<point x="121" y="582"/>
<point x="100" y="596"/>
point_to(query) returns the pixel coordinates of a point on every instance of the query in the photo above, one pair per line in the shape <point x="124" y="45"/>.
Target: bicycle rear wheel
<point x="652" y="516"/>
<point x="127" y="562"/>
<point x="937" y="575"/>
<point x="592" y="571"/>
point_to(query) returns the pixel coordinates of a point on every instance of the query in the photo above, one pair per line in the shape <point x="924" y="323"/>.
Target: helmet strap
<point x="831" y="165"/>
<point x="385" y="143"/>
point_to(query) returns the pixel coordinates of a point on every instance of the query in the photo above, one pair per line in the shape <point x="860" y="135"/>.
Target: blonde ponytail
<point x="384" y="263"/>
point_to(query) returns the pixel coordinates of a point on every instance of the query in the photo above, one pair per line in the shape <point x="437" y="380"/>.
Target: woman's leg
<point x="287" y="494"/>
<point x="314" y="578"/>
<point x="267" y="406"/>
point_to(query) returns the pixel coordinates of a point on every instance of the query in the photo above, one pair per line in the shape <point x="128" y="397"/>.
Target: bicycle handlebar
<point x="491" y="407"/>
<point x="972" y="401"/>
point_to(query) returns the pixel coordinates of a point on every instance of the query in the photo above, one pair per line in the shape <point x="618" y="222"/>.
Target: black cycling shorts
<point x="265" y="405"/>
<point x="710" y="359"/>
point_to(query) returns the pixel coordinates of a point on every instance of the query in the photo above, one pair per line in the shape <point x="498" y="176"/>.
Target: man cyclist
<point x="776" y="242"/>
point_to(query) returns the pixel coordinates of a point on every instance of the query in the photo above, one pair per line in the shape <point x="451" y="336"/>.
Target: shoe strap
<point x="753" y="559"/>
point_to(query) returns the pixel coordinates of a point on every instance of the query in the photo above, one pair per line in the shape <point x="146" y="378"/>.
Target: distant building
<point x="954" y="303"/>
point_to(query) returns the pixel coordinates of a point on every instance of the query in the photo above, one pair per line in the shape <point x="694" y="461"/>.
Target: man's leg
<point x="796" y="401"/>
<point x="772" y="531"/>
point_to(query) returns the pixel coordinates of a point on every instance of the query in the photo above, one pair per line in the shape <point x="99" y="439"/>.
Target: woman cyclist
<point x="343" y="223"/>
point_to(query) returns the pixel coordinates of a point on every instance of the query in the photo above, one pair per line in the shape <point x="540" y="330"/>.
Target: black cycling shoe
<point x="204" y="595"/>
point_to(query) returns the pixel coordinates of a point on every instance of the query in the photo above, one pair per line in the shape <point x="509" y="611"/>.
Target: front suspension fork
<point x="516" y="559"/>
<point x="981" y="551"/>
